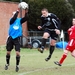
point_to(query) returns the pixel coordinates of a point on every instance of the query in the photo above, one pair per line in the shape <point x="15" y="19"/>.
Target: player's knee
<point x="65" y="52"/>
<point x="17" y="53"/>
<point x="46" y="35"/>
<point x="8" y="52"/>
<point x="53" y="42"/>
<point x="73" y="55"/>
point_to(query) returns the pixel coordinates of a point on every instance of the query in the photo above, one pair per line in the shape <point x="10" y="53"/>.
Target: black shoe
<point x="40" y="50"/>
<point x="47" y="59"/>
<point x="57" y="63"/>
<point x="6" y="67"/>
<point x="17" y="68"/>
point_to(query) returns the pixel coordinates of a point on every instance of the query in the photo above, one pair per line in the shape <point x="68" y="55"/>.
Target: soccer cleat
<point x="47" y="59"/>
<point x="6" y="67"/>
<point x="17" y="68"/>
<point x="40" y="50"/>
<point x="57" y="63"/>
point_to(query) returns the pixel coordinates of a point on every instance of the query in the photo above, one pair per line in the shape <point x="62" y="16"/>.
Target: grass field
<point x="33" y="63"/>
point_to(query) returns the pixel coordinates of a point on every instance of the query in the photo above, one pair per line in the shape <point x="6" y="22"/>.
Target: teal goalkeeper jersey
<point x="15" y="29"/>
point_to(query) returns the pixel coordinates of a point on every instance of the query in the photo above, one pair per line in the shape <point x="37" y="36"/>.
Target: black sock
<point x="51" y="50"/>
<point x="7" y="59"/>
<point x="17" y="60"/>
<point x="43" y="43"/>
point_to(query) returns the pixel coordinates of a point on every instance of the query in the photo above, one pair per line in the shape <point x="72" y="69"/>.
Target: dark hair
<point x="44" y="9"/>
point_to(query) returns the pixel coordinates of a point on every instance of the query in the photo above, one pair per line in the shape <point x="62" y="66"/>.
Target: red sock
<point x="62" y="58"/>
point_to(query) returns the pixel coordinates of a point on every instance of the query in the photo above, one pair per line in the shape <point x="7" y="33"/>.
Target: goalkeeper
<point x="51" y="25"/>
<point x="15" y="32"/>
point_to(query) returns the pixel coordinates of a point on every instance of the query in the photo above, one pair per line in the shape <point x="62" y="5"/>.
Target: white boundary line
<point x="25" y="73"/>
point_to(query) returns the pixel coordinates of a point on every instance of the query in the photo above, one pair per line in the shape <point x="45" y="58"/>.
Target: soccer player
<point x="71" y="44"/>
<point x="13" y="41"/>
<point x="51" y="26"/>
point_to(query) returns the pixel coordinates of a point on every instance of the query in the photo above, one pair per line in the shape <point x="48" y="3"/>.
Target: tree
<point x="72" y="3"/>
<point x="62" y="8"/>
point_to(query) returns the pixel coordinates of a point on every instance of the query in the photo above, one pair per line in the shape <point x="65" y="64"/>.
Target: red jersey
<point x="71" y="32"/>
<point x="71" y="45"/>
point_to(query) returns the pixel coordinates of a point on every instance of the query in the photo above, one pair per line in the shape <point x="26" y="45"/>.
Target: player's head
<point x="44" y="12"/>
<point x="26" y="10"/>
<point x="73" y="21"/>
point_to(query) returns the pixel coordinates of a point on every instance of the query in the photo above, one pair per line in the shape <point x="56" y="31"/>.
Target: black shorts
<point x="52" y="34"/>
<point x="13" y="43"/>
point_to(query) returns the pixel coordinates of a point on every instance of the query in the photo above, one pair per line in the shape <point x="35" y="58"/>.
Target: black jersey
<point x="51" y="21"/>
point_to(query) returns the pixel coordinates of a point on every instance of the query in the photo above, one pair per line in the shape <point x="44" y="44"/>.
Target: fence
<point x="35" y="37"/>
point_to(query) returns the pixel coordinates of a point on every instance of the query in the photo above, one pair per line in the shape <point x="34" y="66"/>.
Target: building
<point x="6" y="9"/>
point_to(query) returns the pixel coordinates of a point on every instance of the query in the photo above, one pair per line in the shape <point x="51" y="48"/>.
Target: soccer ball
<point x="23" y="5"/>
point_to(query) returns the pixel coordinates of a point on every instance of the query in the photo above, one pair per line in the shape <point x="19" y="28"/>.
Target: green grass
<point x="32" y="63"/>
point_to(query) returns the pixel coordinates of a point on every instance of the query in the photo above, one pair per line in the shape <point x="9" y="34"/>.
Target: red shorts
<point x="71" y="45"/>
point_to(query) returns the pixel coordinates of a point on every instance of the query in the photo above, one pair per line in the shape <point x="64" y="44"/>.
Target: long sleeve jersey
<point x="50" y="22"/>
<point x="71" y="32"/>
<point x="25" y="18"/>
<point x="15" y="29"/>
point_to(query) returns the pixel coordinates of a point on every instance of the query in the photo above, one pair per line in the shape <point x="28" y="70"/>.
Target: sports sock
<point x="7" y="59"/>
<point x="17" y="60"/>
<point x="62" y="58"/>
<point x="43" y="43"/>
<point x="51" y="50"/>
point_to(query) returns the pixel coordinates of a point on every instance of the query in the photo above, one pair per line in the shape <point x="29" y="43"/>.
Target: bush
<point x="61" y="8"/>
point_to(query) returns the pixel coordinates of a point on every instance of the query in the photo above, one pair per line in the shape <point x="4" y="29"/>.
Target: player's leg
<point x="7" y="60"/>
<point x="73" y="53"/>
<point x="54" y="37"/>
<point x="51" y="49"/>
<point x="73" y="49"/>
<point x="17" y="60"/>
<point x="8" y="57"/>
<point x="9" y="47"/>
<point x="17" y="48"/>
<point x="44" y="39"/>
<point x="70" y="48"/>
<point x="62" y="58"/>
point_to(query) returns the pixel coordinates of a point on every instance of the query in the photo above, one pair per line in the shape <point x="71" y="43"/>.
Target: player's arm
<point x="56" y="22"/>
<point x="70" y="29"/>
<point x="15" y="14"/>
<point x="25" y="18"/>
<point x="41" y="25"/>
